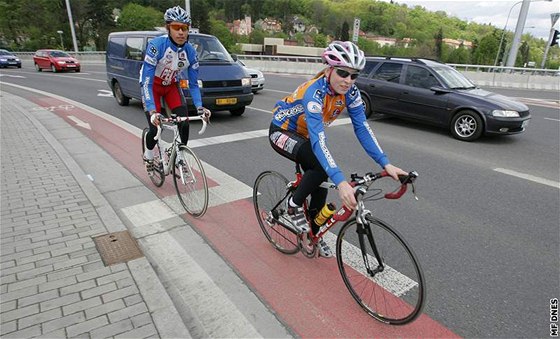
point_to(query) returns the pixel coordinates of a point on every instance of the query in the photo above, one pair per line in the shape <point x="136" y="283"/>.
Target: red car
<point x="55" y="60"/>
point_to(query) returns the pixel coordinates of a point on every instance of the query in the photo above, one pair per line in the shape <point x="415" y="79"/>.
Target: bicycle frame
<point x="344" y="213"/>
<point x="167" y="163"/>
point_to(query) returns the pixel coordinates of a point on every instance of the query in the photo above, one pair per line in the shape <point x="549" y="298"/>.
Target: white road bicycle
<point x="180" y="161"/>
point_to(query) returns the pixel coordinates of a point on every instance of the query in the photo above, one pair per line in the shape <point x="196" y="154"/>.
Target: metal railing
<point x="482" y="75"/>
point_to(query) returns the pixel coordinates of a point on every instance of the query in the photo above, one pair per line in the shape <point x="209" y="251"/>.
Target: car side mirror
<point x="234" y="57"/>
<point x="439" y="90"/>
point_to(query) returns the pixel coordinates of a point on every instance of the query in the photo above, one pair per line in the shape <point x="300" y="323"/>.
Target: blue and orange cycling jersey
<point x="163" y="62"/>
<point x="312" y="107"/>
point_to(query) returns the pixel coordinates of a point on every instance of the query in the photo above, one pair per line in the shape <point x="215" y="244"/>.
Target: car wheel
<point x="53" y="69"/>
<point x="238" y="111"/>
<point x="466" y="126"/>
<point x="122" y="99"/>
<point x="77" y="70"/>
<point x="368" y="107"/>
<point x="38" y="68"/>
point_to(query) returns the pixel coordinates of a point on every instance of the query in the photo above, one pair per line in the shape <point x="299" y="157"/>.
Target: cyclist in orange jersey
<point x="297" y="132"/>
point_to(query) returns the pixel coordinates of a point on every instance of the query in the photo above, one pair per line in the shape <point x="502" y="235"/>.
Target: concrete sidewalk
<point x="53" y="282"/>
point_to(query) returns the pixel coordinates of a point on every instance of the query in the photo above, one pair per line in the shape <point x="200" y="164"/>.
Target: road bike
<point x="179" y="160"/>
<point x="377" y="265"/>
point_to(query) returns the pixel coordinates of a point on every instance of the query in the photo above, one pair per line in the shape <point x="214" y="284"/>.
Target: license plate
<point x="226" y="101"/>
<point x="71" y="65"/>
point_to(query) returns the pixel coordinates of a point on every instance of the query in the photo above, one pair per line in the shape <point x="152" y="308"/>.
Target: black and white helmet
<point x="177" y="14"/>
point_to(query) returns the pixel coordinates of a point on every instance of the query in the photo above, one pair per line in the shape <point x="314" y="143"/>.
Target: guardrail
<point x="482" y="75"/>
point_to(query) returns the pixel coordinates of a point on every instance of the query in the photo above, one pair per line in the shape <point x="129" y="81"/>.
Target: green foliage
<point x="220" y="30"/>
<point x="94" y="20"/>
<point x="138" y="18"/>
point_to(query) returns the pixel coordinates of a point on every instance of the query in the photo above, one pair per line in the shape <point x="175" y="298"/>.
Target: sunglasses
<point x="176" y="27"/>
<point x="344" y="74"/>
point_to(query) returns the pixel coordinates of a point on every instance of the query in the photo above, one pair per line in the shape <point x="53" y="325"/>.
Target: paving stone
<point x="128" y="312"/>
<point x="81" y="305"/>
<point x="112" y="329"/>
<point x="105" y="309"/>
<point x="147" y="331"/>
<point x="25" y="333"/>
<point x="61" y="301"/>
<point x="63" y="322"/>
<point x="39" y="318"/>
<point x="99" y="290"/>
<point x="86" y="326"/>
<point x="37" y="298"/>
<point x="86" y="285"/>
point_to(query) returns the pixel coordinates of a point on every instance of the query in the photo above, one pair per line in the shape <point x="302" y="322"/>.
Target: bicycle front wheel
<point x="157" y="176"/>
<point x="269" y="194"/>
<point x="380" y="271"/>
<point x="190" y="182"/>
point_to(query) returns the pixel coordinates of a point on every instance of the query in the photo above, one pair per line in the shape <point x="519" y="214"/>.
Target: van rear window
<point x="116" y="47"/>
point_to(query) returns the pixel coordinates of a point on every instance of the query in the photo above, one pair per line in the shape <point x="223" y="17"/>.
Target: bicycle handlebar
<point x="176" y="120"/>
<point x="371" y="177"/>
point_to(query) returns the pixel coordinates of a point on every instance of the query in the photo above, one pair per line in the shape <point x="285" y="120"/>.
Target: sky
<point x="496" y="13"/>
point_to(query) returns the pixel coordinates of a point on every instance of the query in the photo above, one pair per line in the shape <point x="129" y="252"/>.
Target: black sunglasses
<point x="344" y="74"/>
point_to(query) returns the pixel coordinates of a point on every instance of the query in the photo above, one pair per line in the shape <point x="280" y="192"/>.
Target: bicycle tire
<point x="269" y="190"/>
<point x="395" y="295"/>
<point x="157" y="177"/>
<point x="190" y="182"/>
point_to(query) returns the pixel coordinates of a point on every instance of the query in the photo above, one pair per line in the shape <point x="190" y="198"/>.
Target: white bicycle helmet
<point x="177" y="14"/>
<point x="344" y="54"/>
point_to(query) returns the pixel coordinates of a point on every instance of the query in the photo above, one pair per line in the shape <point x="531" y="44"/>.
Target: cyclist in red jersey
<point x="166" y="57"/>
<point x="297" y="132"/>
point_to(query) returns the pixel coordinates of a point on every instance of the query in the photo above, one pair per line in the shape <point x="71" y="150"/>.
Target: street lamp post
<point x="61" y="42"/>
<point x="518" y="32"/>
<point x="504" y="32"/>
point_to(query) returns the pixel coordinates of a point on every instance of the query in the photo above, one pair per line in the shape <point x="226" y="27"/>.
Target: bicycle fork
<point x="364" y="232"/>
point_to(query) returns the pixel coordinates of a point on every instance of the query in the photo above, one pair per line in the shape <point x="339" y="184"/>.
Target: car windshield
<point x="209" y="49"/>
<point x="59" y="54"/>
<point x="453" y="79"/>
<point x="4" y="52"/>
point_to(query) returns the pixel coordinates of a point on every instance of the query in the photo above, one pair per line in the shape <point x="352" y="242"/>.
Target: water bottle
<point x="324" y="214"/>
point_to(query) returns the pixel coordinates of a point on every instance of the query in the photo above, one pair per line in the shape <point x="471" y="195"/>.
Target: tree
<point x="344" y="35"/>
<point x="438" y="44"/>
<point x="139" y="18"/>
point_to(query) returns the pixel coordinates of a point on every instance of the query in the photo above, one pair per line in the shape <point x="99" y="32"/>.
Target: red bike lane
<point x="307" y="294"/>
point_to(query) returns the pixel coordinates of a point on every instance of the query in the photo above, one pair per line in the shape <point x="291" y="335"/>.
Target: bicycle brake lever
<point x="414" y="191"/>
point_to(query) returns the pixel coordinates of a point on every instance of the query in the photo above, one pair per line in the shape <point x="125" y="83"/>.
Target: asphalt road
<point x="485" y="228"/>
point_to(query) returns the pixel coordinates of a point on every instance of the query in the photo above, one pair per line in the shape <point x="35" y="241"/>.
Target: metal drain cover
<point x="116" y="248"/>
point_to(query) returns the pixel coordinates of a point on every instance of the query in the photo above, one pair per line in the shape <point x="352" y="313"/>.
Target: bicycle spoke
<point x="268" y="192"/>
<point x="394" y="294"/>
<point x="190" y="182"/>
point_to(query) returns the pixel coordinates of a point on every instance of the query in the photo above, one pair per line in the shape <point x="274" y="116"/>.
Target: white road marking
<point x="260" y="109"/>
<point x="390" y="279"/>
<point x="11" y="76"/>
<point x="529" y="177"/>
<point x="79" y="122"/>
<point x="105" y="93"/>
<point x="552" y="119"/>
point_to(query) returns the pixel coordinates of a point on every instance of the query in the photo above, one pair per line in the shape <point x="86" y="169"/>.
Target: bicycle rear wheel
<point x="190" y="182"/>
<point x="269" y="194"/>
<point x="391" y="291"/>
<point x="157" y="177"/>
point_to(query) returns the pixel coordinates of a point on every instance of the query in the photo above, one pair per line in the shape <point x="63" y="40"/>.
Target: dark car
<point x="55" y="60"/>
<point x="7" y="59"/>
<point x="432" y="92"/>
